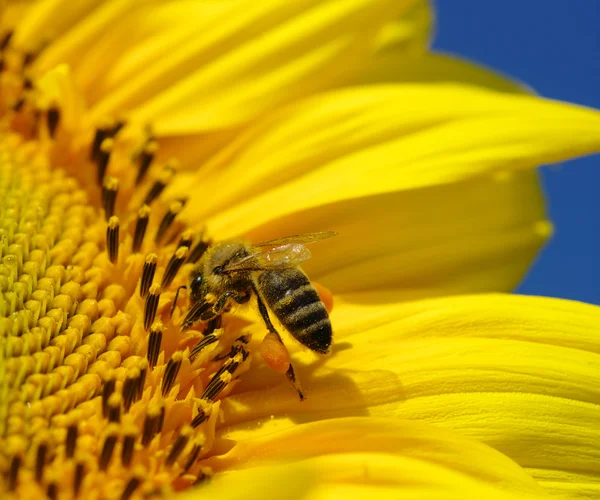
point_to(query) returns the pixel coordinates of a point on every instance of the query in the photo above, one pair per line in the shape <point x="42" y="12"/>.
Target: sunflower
<point x="137" y="134"/>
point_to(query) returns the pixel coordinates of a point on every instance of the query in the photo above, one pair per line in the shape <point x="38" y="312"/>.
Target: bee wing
<point x="279" y="257"/>
<point x="303" y="239"/>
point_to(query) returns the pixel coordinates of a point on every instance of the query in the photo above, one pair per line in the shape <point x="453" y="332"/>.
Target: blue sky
<point x="554" y="46"/>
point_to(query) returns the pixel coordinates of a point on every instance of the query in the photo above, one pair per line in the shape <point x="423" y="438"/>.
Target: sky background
<point x="554" y="46"/>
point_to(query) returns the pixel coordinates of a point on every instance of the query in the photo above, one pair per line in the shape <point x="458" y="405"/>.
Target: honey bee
<point x="236" y="271"/>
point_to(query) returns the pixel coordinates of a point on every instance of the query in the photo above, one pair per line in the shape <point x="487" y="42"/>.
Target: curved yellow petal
<point x="393" y="66"/>
<point x="407" y="36"/>
<point x="41" y="23"/>
<point x="267" y="481"/>
<point x="80" y="46"/>
<point x="382" y="453"/>
<point x="473" y="236"/>
<point x="242" y="65"/>
<point x="521" y="374"/>
<point x="12" y="13"/>
<point x="410" y="34"/>
<point x="378" y="139"/>
<point x="134" y="37"/>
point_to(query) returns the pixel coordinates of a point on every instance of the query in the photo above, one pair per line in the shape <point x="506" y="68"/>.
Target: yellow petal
<point x="78" y="45"/>
<point x="58" y="88"/>
<point x="47" y="19"/>
<point x="243" y="64"/>
<point x="407" y="36"/>
<point x="354" y="453"/>
<point x="272" y="481"/>
<point x="473" y="236"/>
<point x="410" y="34"/>
<point x="379" y="139"/>
<point x="134" y="37"/>
<point x="12" y="13"/>
<point x="395" y="66"/>
<point x="521" y="374"/>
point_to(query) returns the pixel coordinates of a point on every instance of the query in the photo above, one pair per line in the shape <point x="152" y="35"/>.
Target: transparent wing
<point x="280" y="257"/>
<point x="303" y="239"/>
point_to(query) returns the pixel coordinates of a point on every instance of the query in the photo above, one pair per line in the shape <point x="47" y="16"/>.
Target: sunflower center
<point x="101" y="393"/>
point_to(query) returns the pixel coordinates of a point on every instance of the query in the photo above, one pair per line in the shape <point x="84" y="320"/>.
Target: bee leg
<point x="219" y="306"/>
<point x="213" y="324"/>
<point x="290" y="374"/>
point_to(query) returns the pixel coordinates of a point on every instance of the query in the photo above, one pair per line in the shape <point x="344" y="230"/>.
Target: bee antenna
<point x="175" y="301"/>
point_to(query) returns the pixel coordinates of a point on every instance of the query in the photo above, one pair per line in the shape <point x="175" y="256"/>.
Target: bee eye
<point x="196" y="284"/>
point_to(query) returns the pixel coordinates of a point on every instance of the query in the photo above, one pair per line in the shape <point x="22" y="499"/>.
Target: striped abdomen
<point x="297" y="305"/>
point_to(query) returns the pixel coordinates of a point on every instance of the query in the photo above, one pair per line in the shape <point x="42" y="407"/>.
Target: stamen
<point x="18" y="105"/>
<point x="198" y="251"/>
<point x="151" y="306"/>
<point x="52" y="491"/>
<point x="40" y="459"/>
<point x="174" y="265"/>
<point x="171" y="372"/>
<point x="141" y="225"/>
<point x="221" y="378"/>
<point x="29" y="58"/>
<point x="114" y="407"/>
<point x="192" y="457"/>
<point x="110" y="187"/>
<point x="108" y="447"/>
<point x="151" y="423"/>
<point x="6" y="40"/>
<point x="107" y="392"/>
<point x="236" y="348"/>
<point x="143" y="368"/>
<point x="160" y="184"/>
<point x="72" y="439"/>
<point x="53" y="118"/>
<point x="216" y="385"/>
<point x="130" y="488"/>
<point x="103" y="156"/>
<point x="154" y="342"/>
<point x="174" y="209"/>
<point x="130" y="388"/>
<point x="78" y="478"/>
<point x="148" y="274"/>
<point x="186" y="240"/>
<point x="112" y="239"/>
<point x="178" y="446"/>
<point x="200" y="418"/>
<point x="202" y="477"/>
<point x="15" y="465"/>
<point x="161" y="419"/>
<point x="145" y="159"/>
<point x="203" y="343"/>
<point x="194" y="313"/>
<point x="127" y="451"/>
<point x="105" y="131"/>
